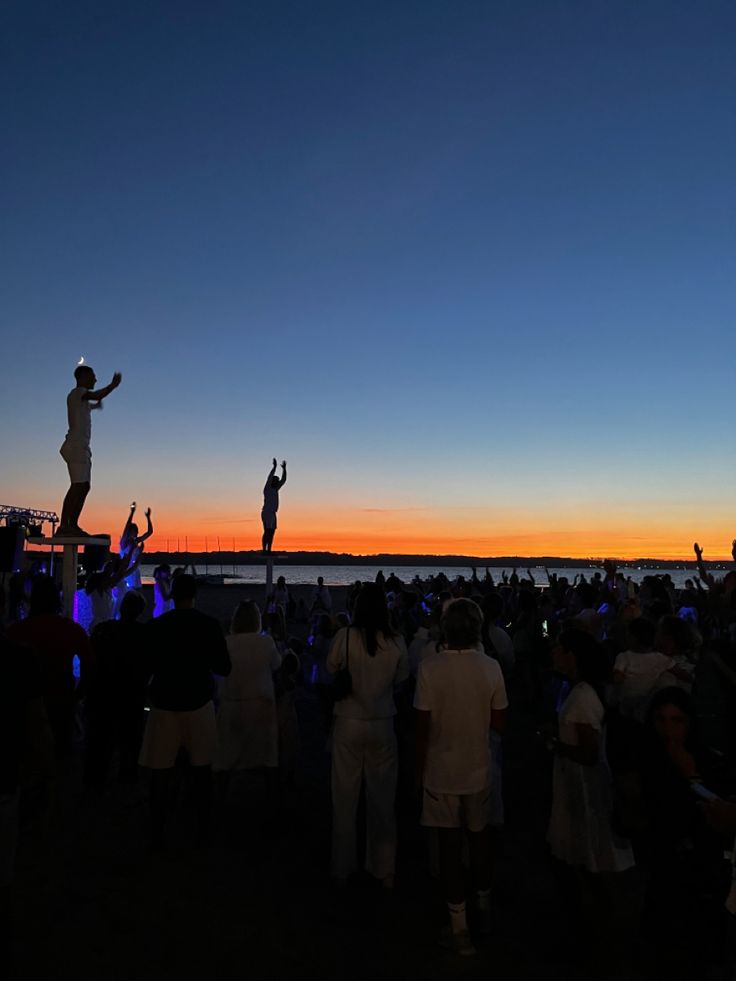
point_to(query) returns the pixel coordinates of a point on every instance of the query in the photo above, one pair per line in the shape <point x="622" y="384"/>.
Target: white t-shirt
<point x="581" y="707"/>
<point x="641" y="672"/>
<point x="374" y="678"/>
<point x="78" y="413"/>
<point x="460" y="689"/>
<point x="254" y="658"/>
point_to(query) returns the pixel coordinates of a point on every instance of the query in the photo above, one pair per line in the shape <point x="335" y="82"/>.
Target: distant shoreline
<point x="389" y="561"/>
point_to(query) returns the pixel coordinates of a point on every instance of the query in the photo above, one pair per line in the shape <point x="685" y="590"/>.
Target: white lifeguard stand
<point x="70" y="563"/>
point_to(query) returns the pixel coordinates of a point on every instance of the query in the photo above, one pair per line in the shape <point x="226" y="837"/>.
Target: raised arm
<point x="102" y="393"/>
<point x="149" y="528"/>
<point x="283" y="474"/>
<point x="705" y="576"/>
<point x="128" y="523"/>
<point x="271" y="472"/>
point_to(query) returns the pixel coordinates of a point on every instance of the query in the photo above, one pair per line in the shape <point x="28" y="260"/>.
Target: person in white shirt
<point x="247" y="729"/>
<point x="271" y="504"/>
<point x="637" y="672"/>
<point x="75" y="449"/>
<point x="460" y="697"/>
<point x="363" y="740"/>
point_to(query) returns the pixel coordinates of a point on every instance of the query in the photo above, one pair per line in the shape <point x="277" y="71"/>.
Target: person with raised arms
<point x="271" y="504"/>
<point x="75" y="449"/>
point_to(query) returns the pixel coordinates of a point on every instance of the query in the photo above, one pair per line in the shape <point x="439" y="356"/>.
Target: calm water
<point x="344" y="575"/>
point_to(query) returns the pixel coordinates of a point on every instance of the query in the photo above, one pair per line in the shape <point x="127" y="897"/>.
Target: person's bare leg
<point x="79" y="502"/>
<point x="71" y="509"/>
<point x="450" y="842"/>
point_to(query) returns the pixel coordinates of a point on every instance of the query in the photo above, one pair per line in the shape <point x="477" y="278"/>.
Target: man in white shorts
<point x="271" y="504"/>
<point x="460" y="696"/>
<point x="185" y="649"/>
<point x="75" y="449"/>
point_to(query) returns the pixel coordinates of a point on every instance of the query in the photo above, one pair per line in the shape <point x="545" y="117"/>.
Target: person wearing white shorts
<point x="75" y="450"/>
<point x="460" y="696"/>
<point x="169" y="732"/>
<point x="186" y="650"/>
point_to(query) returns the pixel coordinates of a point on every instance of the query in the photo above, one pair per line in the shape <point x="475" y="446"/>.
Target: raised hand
<point x="116" y="379"/>
<point x="148" y="513"/>
<point x="274" y="462"/>
<point x="698" y="552"/>
<point x="283" y="464"/>
<point x="133" y="506"/>
<point x="733" y="549"/>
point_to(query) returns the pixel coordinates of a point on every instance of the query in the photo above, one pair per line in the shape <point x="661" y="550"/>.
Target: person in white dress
<point x="131" y="548"/>
<point x="364" y="740"/>
<point x="590" y="855"/>
<point x="247" y="727"/>
<point x="580" y="832"/>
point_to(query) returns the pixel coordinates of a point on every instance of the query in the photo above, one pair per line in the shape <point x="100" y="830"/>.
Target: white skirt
<point x="580" y="831"/>
<point x="247" y="734"/>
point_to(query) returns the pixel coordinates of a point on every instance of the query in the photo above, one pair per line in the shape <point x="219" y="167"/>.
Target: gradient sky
<point x="469" y="266"/>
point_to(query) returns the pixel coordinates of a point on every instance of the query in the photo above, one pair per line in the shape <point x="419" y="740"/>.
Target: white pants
<point x="364" y="749"/>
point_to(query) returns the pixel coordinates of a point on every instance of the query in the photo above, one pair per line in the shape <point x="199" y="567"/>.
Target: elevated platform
<point x="70" y="562"/>
<point x="79" y="540"/>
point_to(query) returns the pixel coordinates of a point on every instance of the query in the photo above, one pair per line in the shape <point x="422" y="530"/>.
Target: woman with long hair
<point x="364" y="741"/>
<point x="247" y="730"/>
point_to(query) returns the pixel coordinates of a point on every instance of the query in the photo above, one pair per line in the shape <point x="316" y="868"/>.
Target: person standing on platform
<point x="75" y="449"/>
<point x="186" y="649"/>
<point x="271" y="504"/>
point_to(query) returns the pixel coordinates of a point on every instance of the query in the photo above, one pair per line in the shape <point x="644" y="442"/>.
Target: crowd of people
<point x="626" y="689"/>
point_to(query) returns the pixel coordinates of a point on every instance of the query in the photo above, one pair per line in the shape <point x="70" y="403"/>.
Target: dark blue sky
<point x="395" y="242"/>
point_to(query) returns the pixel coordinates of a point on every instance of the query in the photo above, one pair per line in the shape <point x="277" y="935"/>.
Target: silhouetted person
<point x="271" y="504"/>
<point x="76" y="450"/>
<point x="185" y="649"/>
<point x="117" y="694"/>
<point x="55" y="639"/>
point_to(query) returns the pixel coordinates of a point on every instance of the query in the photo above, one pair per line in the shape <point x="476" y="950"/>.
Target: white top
<point x="80" y="421"/>
<point x="581" y="707"/>
<point x="374" y="678"/>
<point x="504" y="647"/>
<point x="460" y="689"/>
<point x="641" y="672"/>
<point x="254" y="658"/>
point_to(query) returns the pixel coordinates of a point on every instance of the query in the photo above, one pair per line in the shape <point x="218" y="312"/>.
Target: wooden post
<point x="269" y="575"/>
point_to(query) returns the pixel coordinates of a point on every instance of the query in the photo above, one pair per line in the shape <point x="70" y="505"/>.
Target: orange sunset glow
<point x="434" y="532"/>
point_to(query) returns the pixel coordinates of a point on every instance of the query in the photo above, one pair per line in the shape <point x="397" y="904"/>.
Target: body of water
<point x="345" y="575"/>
